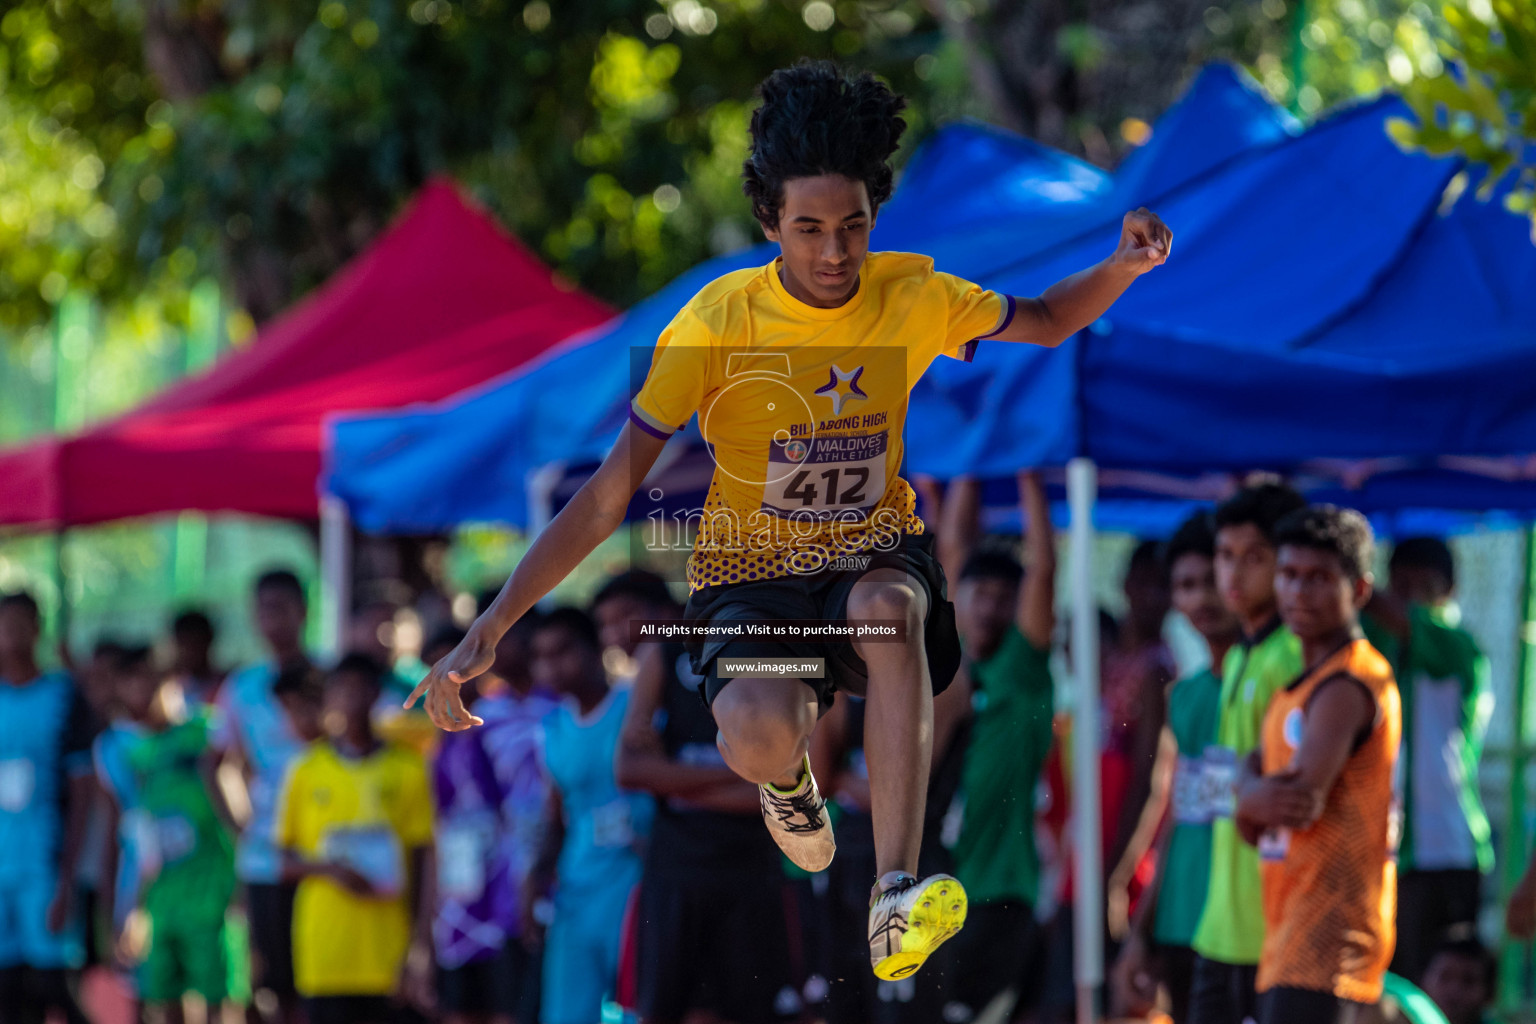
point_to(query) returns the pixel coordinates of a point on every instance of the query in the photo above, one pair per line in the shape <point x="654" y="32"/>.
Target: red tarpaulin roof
<point x="443" y="300"/>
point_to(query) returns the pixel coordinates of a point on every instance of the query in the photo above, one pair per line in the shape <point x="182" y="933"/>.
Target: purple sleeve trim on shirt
<point x="643" y="425"/>
<point x="968" y="350"/>
<point x="1013" y="307"/>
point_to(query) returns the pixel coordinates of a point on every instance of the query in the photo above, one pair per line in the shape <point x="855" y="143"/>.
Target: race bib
<point x="373" y="853"/>
<point x="17" y="780"/>
<point x="175" y="838"/>
<point x="826" y="475"/>
<point x="1190" y="806"/>
<point x="1275" y="844"/>
<point x="143" y="837"/>
<point x="611" y="827"/>
<point x="1218" y="784"/>
<point x="463" y="851"/>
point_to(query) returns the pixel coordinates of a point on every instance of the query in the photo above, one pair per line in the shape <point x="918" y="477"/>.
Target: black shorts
<point x="1178" y="969"/>
<point x="718" y="942"/>
<point x="1305" y="1006"/>
<point x="351" y="1010"/>
<point x="269" y="909"/>
<point x="1222" y="993"/>
<point x="999" y="949"/>
<point x="1429" y="904"/>
<point x="823" y="596"/>
<point x="98" y="935"/>
<point x="507" y="984"/>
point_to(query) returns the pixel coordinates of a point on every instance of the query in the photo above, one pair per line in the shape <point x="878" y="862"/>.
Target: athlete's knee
<point x="765" y="726"/>
<point x="891" y="600"/>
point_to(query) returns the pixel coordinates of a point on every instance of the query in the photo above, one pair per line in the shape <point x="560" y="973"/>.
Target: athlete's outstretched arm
<point x="1073" y="303"/>
<point x="587" y="519"/>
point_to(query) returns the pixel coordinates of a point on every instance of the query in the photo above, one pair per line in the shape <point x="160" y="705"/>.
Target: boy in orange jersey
<point x="1316" y="797"/>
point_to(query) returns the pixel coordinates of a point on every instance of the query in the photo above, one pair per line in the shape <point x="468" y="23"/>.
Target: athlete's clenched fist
<point x="1145" y="241"/>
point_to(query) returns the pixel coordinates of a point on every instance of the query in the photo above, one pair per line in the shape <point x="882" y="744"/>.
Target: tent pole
<point x="335" y="572"/>
<point x="1087" y="849"/>
<point x="1513" y="955"/>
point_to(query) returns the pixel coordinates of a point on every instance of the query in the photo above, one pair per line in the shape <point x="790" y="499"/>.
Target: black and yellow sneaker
<point x="910" y="919"/>
<point x="798" y="821"/>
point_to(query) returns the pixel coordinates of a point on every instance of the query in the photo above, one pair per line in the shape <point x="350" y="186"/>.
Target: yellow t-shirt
<point x="803" y="408"/>
<point x="370" y="812"/>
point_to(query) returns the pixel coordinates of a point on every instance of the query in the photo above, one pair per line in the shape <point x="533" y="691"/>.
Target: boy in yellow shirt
<point x="800" y="373"/>
<point x="354" y="825"/>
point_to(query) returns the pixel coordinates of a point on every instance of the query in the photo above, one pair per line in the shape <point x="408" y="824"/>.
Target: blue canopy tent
<point x="480" y="455"/>
<point x="1306" y="300"/>
<point x="1202" y="339"/>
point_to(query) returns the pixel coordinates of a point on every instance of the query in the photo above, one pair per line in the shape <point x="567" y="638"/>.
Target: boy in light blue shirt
<point x="47" y="789"/>
<point x="593" y="845"/>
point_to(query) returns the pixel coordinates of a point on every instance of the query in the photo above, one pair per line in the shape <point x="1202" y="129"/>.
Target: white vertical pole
<point x="1088" y="855"/>
<point x="335" y="573"/>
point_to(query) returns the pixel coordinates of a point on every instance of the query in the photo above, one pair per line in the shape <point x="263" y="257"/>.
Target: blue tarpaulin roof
<point x="1320" y="304"/>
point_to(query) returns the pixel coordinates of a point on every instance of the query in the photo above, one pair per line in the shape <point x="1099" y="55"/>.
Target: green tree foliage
<point x="1089" y="77"/>
<point x="1483" y="106"/>
<point x="147" y="145"/>
<point x="72" y="98"/>
<point x="269" y="141"/>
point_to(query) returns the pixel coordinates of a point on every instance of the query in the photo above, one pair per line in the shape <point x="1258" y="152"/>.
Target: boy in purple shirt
<point x="489" y="794"/>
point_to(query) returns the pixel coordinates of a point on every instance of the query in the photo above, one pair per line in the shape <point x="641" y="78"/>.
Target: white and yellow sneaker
<point x="910" y="919"/>
<point x="797" y="820"/>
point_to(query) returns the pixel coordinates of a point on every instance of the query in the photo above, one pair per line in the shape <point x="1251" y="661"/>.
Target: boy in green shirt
<point x="1446" y="844"/>
<point x="1159" y="947"/>
<point x="1230" y="934"/>
<point x="1005" y="618"/>
<point x="190" y="860"/>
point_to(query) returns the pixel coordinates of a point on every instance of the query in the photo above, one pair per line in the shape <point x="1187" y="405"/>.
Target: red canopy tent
<point x="443" y="300"/>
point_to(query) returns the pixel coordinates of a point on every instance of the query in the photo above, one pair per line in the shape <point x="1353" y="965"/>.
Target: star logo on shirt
<point x="835" y="390"/>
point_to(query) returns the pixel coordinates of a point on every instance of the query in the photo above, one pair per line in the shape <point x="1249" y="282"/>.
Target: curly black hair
<point x="645" y="587"/>
<point x="1196" y="536"/>
<point x="993" y="565"/>
<point x="814" y="120"/>
<point x="283" y="581"/>
<point x="1342" y="531"/>
<point x="577" y="623"/>
<point x="365" y="666"/>
<point x="1430" y="553"/>
<point x="1148" y="556"/>
<point x="23" y="600"/>
<point x="1263" y="502"/>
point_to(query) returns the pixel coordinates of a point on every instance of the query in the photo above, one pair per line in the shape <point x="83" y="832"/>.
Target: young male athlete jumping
<point x="800" y="373"/>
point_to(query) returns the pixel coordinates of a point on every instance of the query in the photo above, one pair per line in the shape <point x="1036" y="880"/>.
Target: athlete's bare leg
<point x="898" y="725"/>
<point x="765" y="728"/>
